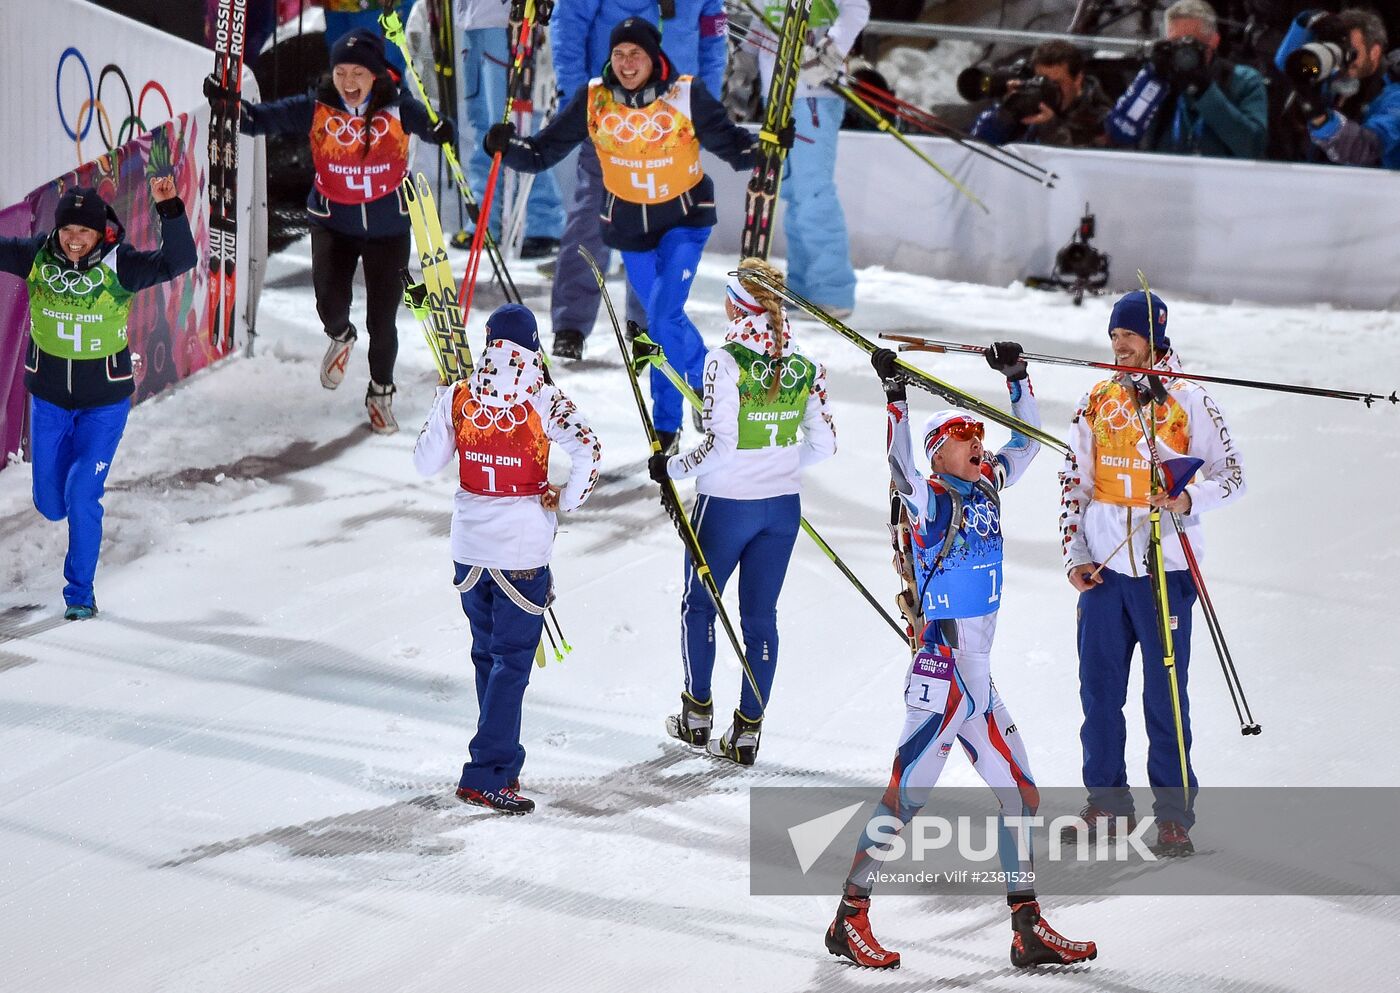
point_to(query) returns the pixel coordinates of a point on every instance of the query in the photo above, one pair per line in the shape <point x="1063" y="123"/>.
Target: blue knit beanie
<point x="1130" y="313"/>
<point x="513" y="322"/>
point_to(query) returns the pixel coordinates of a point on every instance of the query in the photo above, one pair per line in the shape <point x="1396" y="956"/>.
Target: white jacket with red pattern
<point x="509" y="532"/>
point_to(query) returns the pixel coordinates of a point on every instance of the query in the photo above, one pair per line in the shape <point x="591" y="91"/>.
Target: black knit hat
<point x="640" y="32"/>
<point x="362" y="47"/>
<point x="81" y="205"/>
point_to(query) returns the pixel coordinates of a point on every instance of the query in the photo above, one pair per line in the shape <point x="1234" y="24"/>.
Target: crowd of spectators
<point x="1314" y="85"/>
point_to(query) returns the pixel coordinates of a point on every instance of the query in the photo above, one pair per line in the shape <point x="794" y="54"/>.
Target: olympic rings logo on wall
<point x="95" y="108"/>
<point x="351" y="131"/>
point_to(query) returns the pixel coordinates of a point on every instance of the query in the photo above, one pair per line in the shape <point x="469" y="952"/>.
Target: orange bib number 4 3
<point x="648" y="154"/>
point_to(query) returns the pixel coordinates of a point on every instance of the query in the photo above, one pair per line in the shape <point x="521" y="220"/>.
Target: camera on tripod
<point x="1016" y="86"/>
<point x="1079" y="267"/>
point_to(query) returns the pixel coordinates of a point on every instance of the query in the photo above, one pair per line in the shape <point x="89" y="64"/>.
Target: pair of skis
<point x="767" y="177"/>
<point x="911" y="374"/>
<point x="761" y="197"/>
<point x="229" y="33"/>
<point x="433" y="301"/>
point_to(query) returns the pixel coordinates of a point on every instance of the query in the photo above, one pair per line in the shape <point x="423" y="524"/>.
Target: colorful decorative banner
<point x="168" y="329"/>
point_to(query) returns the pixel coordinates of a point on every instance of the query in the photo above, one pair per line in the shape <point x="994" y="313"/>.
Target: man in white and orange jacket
<point x="1105" y="501"/>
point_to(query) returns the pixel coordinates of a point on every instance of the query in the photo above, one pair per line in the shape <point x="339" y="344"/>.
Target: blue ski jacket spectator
<point x="693" y="32"/>
<point x="1362" y="129"/>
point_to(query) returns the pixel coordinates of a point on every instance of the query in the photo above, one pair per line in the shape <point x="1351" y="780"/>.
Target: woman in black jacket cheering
<point x="358" y="122"/>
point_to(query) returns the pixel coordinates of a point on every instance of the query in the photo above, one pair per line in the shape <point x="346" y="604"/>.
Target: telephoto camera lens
<point x="1316" y="62"/>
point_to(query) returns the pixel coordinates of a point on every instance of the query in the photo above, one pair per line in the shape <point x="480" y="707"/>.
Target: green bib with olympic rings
<point x="824" y="13"/>
<point x="77" y="314"/>
<point x="764" y="423"/>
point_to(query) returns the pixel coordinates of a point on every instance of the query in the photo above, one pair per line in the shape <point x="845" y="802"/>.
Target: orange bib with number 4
<point x="649" y="154"/>
<point x="347" y="172"/>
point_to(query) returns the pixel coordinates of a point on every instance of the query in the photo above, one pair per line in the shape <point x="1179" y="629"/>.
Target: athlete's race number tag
<point x="929" y="679"/>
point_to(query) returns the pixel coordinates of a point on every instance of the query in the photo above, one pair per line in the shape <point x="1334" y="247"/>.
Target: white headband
<point x="741" y="297"/>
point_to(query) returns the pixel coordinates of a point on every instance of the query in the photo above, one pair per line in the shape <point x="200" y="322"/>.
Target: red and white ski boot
<point x="850" y="937"/>
<point x="1034" y="942"/>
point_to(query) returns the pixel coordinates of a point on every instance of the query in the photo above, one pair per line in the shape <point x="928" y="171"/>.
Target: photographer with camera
<point x="1058" y="105"/>
<point x="1189" y="100"/>
<point x="1346" y="90"/>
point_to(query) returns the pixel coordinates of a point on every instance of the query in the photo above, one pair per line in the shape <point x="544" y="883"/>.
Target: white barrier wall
<point x="1214" y="229"/>
<point x="77" y="80"/>
<point x="61" y="54"/>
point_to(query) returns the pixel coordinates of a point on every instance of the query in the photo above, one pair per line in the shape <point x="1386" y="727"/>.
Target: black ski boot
<point x="693" y="724"/>
<point x="740" y="743"/>
<point x="1035" y="942"/>
<point x="568" y="344"/>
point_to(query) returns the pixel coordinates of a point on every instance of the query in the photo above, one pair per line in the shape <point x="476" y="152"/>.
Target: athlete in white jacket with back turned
<point x="766" y="419"/>
<point x="499" y="424"/>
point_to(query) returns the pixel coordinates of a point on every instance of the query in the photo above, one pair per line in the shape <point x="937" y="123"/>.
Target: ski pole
<point x="670" y="500"/>
<point x="912" y="374"/>
<point x="1248" y="725"/>
<point x="851" y="577"/>
<point x="926" y="121"/>
<point x="914" y="343"/>
<point x="563" y="642"/>
<point x="1159" y="571"/>
<point x="394" y="31"/>
<point x="884" y="126"/>
<point x="646" y="350"/>
<point x="879" y="121"/>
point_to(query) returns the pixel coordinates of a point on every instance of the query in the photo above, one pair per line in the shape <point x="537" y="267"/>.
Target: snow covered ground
<point x="238" y="778"/>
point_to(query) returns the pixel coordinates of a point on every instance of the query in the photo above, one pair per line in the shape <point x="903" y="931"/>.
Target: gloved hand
<point x="883" y="360"/>
<point x="215" y="92"/>
<point x="787" y="135"/>
<point x="656" y="467"/>
<point x="498" y="138"/>
<point x="820" y="64"/>
<point x="1005" y="358"/>
<point x="444" y="132"/>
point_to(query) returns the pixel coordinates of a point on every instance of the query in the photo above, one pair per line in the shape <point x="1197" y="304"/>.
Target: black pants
<point x="333" y="260"/>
